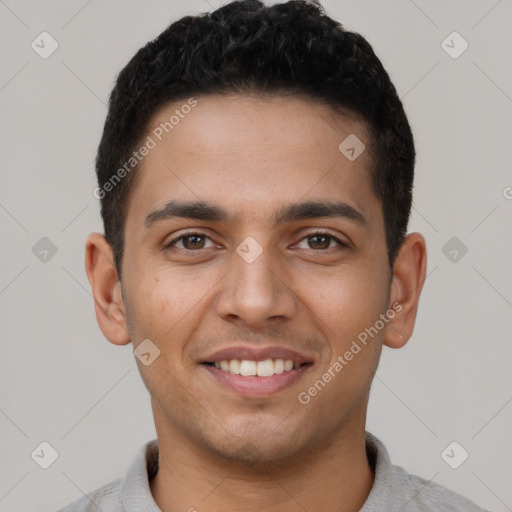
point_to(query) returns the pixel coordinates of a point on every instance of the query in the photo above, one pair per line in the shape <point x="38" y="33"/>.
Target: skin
<point x="251" y="155"/>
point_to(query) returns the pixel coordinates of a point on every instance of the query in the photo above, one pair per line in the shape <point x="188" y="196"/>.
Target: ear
<point x="408" y="277"/>
<point x="106" y="289"/>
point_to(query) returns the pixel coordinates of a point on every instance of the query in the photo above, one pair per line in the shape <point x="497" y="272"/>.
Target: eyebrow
<point x="200" y="210"/>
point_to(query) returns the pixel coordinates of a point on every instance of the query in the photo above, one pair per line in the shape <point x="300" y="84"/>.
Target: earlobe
<point x="106" y="289"/>
<point x="409" y="272"/>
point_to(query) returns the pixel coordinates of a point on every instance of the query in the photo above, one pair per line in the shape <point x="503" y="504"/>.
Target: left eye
<point x="320" y="241"/>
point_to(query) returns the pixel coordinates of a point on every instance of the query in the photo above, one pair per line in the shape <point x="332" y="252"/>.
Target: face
<point x="282" y="264"/>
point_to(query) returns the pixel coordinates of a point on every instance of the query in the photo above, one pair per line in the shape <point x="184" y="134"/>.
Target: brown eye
<point x="190" y="242"/>
<point x="321" y="241"/>
<point x="193" y="242"/>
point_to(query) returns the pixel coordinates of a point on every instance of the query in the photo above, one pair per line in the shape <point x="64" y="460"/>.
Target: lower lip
<point x="253" y="386"/>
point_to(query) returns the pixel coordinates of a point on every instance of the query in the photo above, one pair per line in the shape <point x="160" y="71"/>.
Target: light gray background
<point x="63" y="383"/>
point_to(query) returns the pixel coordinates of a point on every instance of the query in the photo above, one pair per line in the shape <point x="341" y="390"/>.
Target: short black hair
<point x="292" y="48"/>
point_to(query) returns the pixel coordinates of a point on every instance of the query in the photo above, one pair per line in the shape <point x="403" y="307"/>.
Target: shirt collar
<point x="136" y="493"/>
<point x="386" y="486"/>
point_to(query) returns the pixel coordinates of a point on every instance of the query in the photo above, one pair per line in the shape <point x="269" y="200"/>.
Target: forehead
<point x="252" y="154"/>
<point x="223" y="122"/>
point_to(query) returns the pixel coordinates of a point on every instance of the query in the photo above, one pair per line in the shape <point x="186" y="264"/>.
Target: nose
<point x="257" y="292"/>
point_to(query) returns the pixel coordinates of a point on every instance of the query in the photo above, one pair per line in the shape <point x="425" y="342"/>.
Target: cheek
<point x="168" y="307"/>
<point x="347" y="302"/>
<point x="164" y="311"/>
<point x="342" y="308"/>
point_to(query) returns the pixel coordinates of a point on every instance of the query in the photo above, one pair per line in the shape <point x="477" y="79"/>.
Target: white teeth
<point x="248" y="367"/>
<point x="265" y="368"/>
<point x="234" y="366"/>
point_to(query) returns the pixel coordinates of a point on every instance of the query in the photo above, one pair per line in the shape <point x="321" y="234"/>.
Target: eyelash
<point x="310" y="235"/>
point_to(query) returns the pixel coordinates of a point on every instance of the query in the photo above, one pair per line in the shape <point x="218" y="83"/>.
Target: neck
<point x="338" y="477"/>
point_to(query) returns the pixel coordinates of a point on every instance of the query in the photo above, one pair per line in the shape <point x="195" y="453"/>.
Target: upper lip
<point x="256" y="354"/>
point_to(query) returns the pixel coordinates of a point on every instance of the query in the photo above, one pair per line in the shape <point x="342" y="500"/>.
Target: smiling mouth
<point x="249" y="368"/>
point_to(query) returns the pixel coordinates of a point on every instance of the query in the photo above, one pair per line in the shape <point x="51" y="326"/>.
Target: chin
<point x="260" y="453"/>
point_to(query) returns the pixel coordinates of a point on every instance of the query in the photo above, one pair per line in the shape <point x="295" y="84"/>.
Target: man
<point x="255" y="176"/>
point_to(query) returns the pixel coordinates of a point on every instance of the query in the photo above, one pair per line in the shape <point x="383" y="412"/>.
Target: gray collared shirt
<point x="393" y="489"/>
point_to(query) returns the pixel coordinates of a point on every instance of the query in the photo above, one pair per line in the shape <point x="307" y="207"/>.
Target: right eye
<point x="191" y="242"/>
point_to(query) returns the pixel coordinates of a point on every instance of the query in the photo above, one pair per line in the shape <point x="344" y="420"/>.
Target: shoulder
<point x="425" y="495"/>
<point x="396" y="489"/>
<point x="131" y="492"/>
<point x="107" y="497"/>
